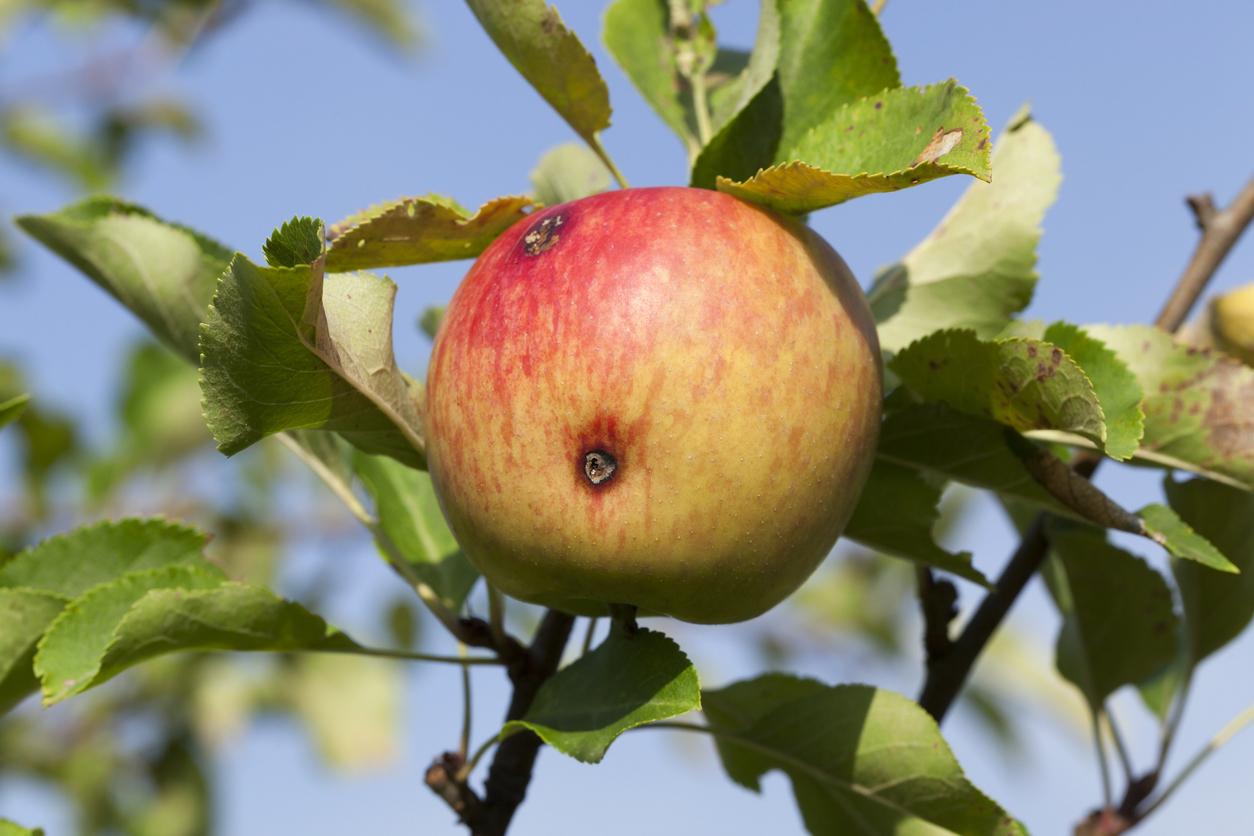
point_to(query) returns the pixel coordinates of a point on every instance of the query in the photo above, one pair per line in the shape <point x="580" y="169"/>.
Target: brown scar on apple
<point x="941" y="143"/>
<point x="599" y="467"/>
<point x="543" y="234"/>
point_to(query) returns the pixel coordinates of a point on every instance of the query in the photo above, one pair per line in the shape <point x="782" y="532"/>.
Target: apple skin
<point x="722" y="355"/>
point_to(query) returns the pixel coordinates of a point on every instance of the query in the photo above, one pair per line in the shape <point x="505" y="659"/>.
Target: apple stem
<point x="624" y="618"/>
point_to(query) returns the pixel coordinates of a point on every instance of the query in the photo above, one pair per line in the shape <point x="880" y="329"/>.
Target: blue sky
<point x="1147" y="103"/>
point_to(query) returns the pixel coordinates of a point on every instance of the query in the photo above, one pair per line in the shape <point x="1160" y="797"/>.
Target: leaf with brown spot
<point x="872" y="145"/>
<point x="1012" y="381"/>
<point x="1197" y="403"/>
<point x="419" y="230"/>
<point x="977" y="268"/>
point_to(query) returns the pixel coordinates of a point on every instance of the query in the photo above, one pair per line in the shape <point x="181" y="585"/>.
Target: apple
<point x="664" y="398"/>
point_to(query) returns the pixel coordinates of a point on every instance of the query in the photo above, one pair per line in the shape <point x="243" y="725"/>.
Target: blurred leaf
<point x="895" y="515"/>
<point x="1217" y="607"/>
<point x="568" y="172"/>
<point x="904" y="137"/>
<point x="181" y="803"/>
<point x="203" y="613"/>
<point x="71" y="651"/>
<point x="1196" y="403"/>
<point x="862" y="595"/>
<point x="419" y="230"/>
<point x="860" y="759"/>
<point x="1022" y="383"/>
<point x="9" y="828"/>
<point x="1175" y="535"/>
<point x="532" y="36"/>
<point x="430" y="320"/>
<point x="976" y="269"/>
<point x="351" y="706"/>
<point x="402" y="621"/>
<point x="69" y="564"/>
<point x="163" y="272"/>
<point x="411" y="523"/>
<point x="826" y="55"/>
<point x="392" y="19"/>
<point x="24" y="616"/>
<point x="38" y="137"/>
<point x="1117" y="613"/>
<point x="627" y="681"/>
<point x="12" y="409"/>
<point x="223" y="699"/>
<point x="289" y="348"/>
<point x="120" y="129"/>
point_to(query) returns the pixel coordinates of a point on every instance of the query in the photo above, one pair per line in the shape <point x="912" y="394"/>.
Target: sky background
<point x="1147" y="103"/>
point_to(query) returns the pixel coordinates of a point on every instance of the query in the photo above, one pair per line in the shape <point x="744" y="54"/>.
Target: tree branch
<point x="510" y="773"/>
<point x="946" y="676"/>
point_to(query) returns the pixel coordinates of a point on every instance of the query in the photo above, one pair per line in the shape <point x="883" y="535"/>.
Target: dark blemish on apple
<point x="878" y="105"/>
<point x="599" y="467"/>
<point x="1055" y="356"/>
<point x="543" y="234"/>
<point x="1031" y="351"/>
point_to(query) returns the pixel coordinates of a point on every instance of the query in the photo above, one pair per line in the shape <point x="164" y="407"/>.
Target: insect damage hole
<point x="599" y="467"/>
<point x="543" y="235"/>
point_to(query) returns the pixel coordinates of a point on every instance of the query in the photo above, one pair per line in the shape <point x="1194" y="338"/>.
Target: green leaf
<point x="861" y="760"/>
<point x="896" y="515"/>
<point x="532" y="36"/>
<point x="1217" y="607"/>
<point x="9" y="828"/>
<point x="297" y="243"/>
<point x="626" y="682"/>
<point x="12" y="409"/>
<point x="291" y="348"/>
<point x="1023" y="383"/>
<point x="568" y="172"/>
<point x="1116" y="387"/>
<point x="69" y="564"/>
<point x="883" y="143"/>
<point x="201" y="613"/>
<point x="953" y="445"/>
<point x="1196" y="403"/>
<point x="24" y="616"/>
<point x="71" y="650"/>
<point x="419" y="230"/>
<point x="1117" y="613"/>
<point x="163" y="272"/>
<point x="1175" y="535"/>
<point x="738" y="707"/>
<point x="977" y="268"/>
<point x="411" y="523"/>
<point x="826" y="54"/>
<point x="639" y="35"/>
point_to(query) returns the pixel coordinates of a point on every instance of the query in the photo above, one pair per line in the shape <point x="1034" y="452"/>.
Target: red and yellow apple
<point x="662" y="397"/>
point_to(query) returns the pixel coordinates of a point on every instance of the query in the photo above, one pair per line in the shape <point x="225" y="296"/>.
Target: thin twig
<point x="1103" y="766"/>
<point x="463" y="747"/>
<point x="1235" y="725"/>
<point x="1121" y="748"/>
<point x="410" y="656"/>
<point x="1220" y="231"/>
<point x="938" y="602"/>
